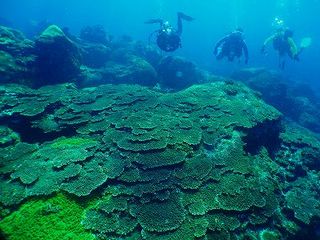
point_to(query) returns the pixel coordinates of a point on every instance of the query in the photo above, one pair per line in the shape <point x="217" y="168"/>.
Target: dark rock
<point x="58" y="58"/>
<point x="137" y="71"/>
<point x="177" y="73"/>
<point x="94" y="34"/>
<point x="294" y="100"/>
<point x="94" y="55"/>
<point x="150" y="53"/>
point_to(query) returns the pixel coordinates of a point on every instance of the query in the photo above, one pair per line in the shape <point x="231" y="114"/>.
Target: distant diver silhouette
<point x="168" y="38"/>
<point x="232" y="46"/>
<point x="284" y="44"/>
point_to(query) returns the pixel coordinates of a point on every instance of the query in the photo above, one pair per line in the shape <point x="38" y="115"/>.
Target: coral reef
<point x="120" y="161"/>
<point x="160" y="166"/>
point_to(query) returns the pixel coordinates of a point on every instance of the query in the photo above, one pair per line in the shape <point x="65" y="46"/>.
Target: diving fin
<point x="153" y="21"/>
<point x="185" y="17"/>
<point x="305" y="42"/>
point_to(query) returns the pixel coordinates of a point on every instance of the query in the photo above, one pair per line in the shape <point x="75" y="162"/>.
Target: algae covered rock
<point x="58" y="58"/>
<point x="14" y="42"/>
<point x="9" y="69"/>
<point x="136" y="71"/>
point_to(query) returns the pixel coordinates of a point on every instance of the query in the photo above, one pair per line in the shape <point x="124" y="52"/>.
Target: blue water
<point x="214" y="19"/>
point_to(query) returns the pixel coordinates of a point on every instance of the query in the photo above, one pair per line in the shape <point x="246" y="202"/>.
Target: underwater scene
<point x="159" y="120"/>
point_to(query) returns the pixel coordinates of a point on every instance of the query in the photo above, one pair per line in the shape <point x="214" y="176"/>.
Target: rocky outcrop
<point x="94" y="55"/>
<point x="91" y="60"/>
<point x="58" y="58"/>
<point x="16" y="57"/>
<point x="295" y="100"/>
<point x="177" y="73"/>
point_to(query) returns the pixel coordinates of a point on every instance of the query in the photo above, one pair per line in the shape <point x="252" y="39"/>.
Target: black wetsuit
<point x="169" y="38"/>
<point x="232" y="46"/>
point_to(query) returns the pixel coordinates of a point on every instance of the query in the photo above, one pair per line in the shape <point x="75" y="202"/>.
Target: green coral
<point x="113" y="204"/>
<point x="221" y="221"/>
<point x="58" y="217"/>
<point x="241" y="201"/>
<point x="98" y="221"/>
<point x="269" y="235"/>
<point x="161" y="216"/>
<point x="189" y="229"/>
<point x="91" y="177"/>
<point x="76" y="142"/>
<point x="8" y="137"/>
<point x="12" y="192"/>
<point x="305" y="206"/>
<point x="52" y="180"/>
<point x="161" y="158"/>
<point x="159" y="165"/>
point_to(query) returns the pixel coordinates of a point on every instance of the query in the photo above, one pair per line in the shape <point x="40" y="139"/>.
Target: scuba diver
<point x="283" y="42"/>
<point x="169" y="38"/>
<point x="231" y="46"/>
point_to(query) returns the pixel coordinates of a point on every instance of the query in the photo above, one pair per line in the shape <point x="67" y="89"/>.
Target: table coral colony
<point x="154" y="165"/>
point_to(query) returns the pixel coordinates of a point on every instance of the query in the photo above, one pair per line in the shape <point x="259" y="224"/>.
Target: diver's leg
<point x="182" y="16"/>
<point x="282" y="62"/>
<point x="185" y="17"/>
<point x="179" y="31"/>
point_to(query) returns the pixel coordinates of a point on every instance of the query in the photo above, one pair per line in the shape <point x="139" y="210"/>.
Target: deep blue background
<point x="214" y="18"/>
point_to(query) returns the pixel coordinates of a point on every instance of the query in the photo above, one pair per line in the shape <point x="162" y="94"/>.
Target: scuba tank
<point x="168" y="42"/>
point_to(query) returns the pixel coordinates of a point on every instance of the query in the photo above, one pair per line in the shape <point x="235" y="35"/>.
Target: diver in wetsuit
<point x="169" y="38"/>
<point x="283" y="43"/>
<point x="231" y="46"/>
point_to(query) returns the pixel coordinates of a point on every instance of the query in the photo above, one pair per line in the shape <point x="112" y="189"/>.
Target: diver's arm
<point x="266" y="42"/>
<point x="245" y="51"/>
<point x="219" y="43"/>
<point x="293" y="48"/>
